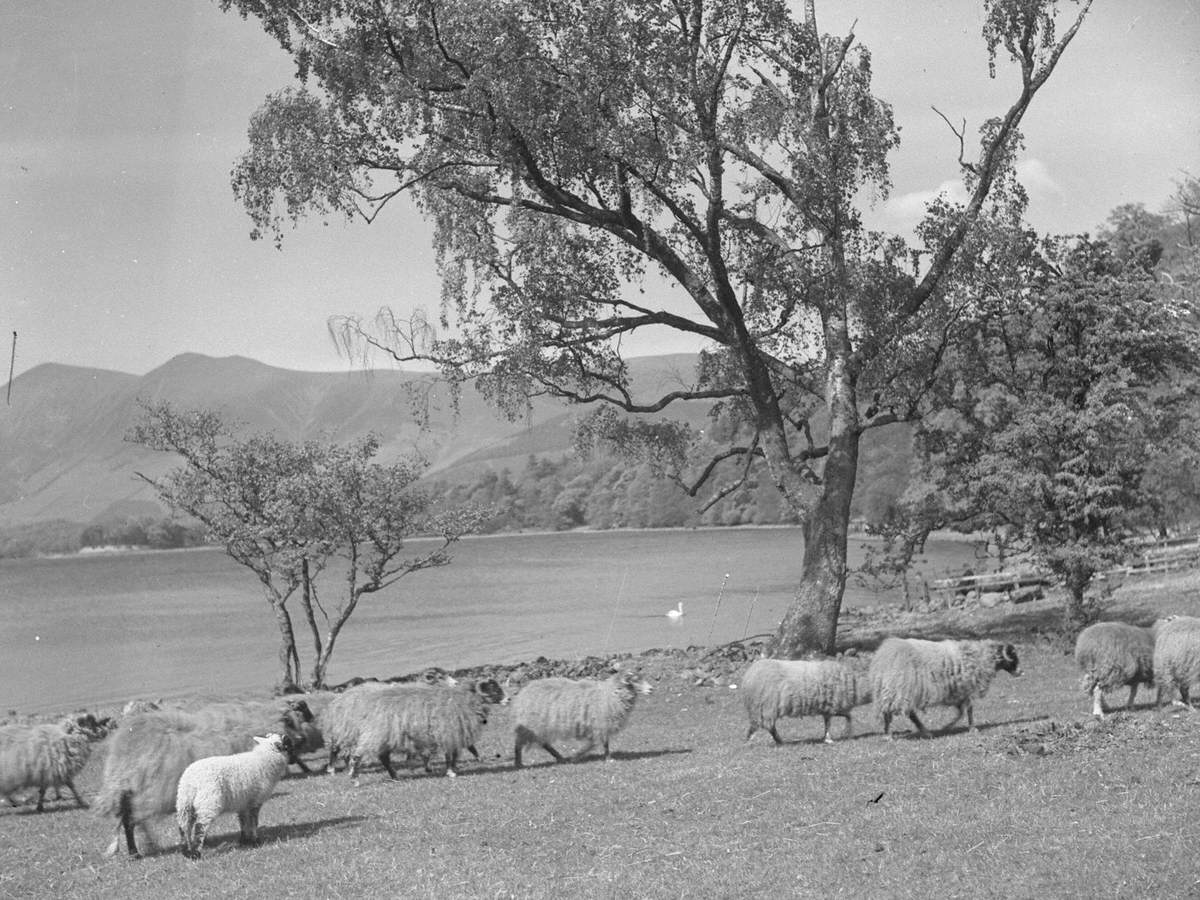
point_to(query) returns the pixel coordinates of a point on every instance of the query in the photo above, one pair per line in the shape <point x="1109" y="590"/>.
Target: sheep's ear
<point x="259" y="740"/>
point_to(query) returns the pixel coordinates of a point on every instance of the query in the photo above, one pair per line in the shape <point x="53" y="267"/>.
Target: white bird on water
<point x="677" y="612"/>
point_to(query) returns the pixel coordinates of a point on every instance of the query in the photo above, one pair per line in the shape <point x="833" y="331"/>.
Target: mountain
<point x="63" y="454"/>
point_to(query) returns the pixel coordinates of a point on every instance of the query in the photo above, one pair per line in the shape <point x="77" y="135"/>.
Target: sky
<point x="122" y="245"/>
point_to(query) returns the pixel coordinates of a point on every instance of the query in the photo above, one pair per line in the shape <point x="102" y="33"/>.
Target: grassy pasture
<point x="1040" y="801"/>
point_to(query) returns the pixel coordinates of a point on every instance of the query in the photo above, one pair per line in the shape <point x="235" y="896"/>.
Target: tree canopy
<point x="565" y="151"/>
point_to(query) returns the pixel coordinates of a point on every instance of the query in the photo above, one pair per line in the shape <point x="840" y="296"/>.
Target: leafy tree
<point x="1078" y="380"/>
<point x="293" y="512"/>
<point x="567" y="151"/>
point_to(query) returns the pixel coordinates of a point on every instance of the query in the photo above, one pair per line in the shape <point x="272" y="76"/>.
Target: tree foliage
<point x="569" y="153"/>
<point x="295" y="512"/>
<point x="1079" y="384"/>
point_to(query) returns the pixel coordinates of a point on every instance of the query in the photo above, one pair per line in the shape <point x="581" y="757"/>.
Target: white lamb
<point x="240" y="783"/>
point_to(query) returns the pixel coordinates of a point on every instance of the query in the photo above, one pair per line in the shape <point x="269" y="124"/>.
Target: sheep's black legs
<point x="775" y="734"/>
<point x="1132" y="693"/>
<point x="78" y="799"/>
<point x="920" y="726"/>
<point x="127" y="825"/>
<point x="41" y="798"/>
<point x="386" y="759"/>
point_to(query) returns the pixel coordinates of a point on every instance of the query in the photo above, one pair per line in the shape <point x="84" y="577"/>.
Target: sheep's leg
<point x="199" y="832"/>
<point x="607" y="755"/>
<point x="248" y="825"/>
<point x="828" y="739"/>
<point x="451" y="760"/>
<point x="750" y="733"/>
<point x="1098" y="702"/>
<point x="78" y="799"/>
<point x="127" y="825"/>
<point x="331" y="766"/>
<point x="970" y="716"/>
<point x="774" y="734"/>
<point x="849" y="725"/>
<point x="558" y="757"/>
<point x="1132" y="693"/>
<point x="517" y="748"/>
<point x="41" y="799"/>
<point x="887" y="725"/>
<point x="1183" y="696"/>
<point x="474" y="752"/>
<point x="386" y="758"/>
<point x="920" y="725"/>
<point x="295" y="759"/>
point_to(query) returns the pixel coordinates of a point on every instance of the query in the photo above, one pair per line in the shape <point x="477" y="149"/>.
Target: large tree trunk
<point x="810" y="625"/>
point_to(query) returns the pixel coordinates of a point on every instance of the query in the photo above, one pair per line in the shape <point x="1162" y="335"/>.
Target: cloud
<point x="902" y="212"/>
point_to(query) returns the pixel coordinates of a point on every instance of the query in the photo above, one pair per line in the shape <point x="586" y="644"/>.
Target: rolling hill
<point x="65" y="457"/>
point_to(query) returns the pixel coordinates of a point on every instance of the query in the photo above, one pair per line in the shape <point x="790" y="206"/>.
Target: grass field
<point x="1041" y="801"/>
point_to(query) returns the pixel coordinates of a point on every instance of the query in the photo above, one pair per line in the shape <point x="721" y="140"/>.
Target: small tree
<point x="292" y="512"/>
<point x="1078" y="378"/>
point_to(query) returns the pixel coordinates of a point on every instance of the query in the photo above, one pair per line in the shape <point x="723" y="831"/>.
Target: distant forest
<point x="546" y="494"/>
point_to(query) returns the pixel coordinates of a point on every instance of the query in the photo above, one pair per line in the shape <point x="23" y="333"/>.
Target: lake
<point x="96" y="630"/>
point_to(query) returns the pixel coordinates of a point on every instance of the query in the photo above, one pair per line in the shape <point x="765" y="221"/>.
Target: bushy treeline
<point x="60" y="536"/>
<point x="607" y="492"/>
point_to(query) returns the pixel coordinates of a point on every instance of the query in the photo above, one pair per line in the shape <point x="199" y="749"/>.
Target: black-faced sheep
<point x="150" y="751"/>
<point x="908" y="675"/>
<point x="240" y="783"/>
<point x="47" y="755"/>
<point x="422" y="720"/>
<point x="1176" y="656"/>
<point x="551" y="709"/>
<point x="1111" y="655"/>
<point x="773" y="689"/>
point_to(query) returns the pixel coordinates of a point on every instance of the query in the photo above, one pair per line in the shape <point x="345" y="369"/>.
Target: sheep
<point x="151" y="750"/>
<point x="775" y="688"/>
<point x="1112" y="654"/>
<point x="565" y="709"/>
<point x="1176" y="656"/>
<point x="420" y="719"/>
<point x="341" y="721"/>
<point x="240" y="783"/>
<point x="47" y="755"/>
<point x="907" y="675"/>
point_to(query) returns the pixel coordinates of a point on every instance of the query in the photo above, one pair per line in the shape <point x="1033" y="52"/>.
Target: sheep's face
<point x="280" y="743"/>
<point x="636" y="683"/>
<point x="491" y="692"/>
<point x="435" y="676"/>
<point x="300" y="709"/>
<point x="1006" y="659"/>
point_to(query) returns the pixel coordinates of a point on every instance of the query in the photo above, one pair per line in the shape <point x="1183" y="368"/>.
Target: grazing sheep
<point x="240" y="783"/>
<point x="776" y="688"/>
<point x="1177" y="656"/>
<point x="151" y="750"/>
<point x="342" y="719"/>
<point x="47" y="755"/>
<point x="1112" y="654"/>
<point x="565" y="709"/>
<point x="421" y="720"/>
<point x="908" y="675"/>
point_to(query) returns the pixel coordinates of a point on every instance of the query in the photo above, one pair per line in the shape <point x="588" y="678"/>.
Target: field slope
<point x="1040" y="801"/>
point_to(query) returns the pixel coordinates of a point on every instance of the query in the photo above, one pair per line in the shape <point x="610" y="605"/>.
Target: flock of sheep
<point x="204" y="762"/>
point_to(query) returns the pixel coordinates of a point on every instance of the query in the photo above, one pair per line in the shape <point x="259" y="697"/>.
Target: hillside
<point x="65" y="456"/>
